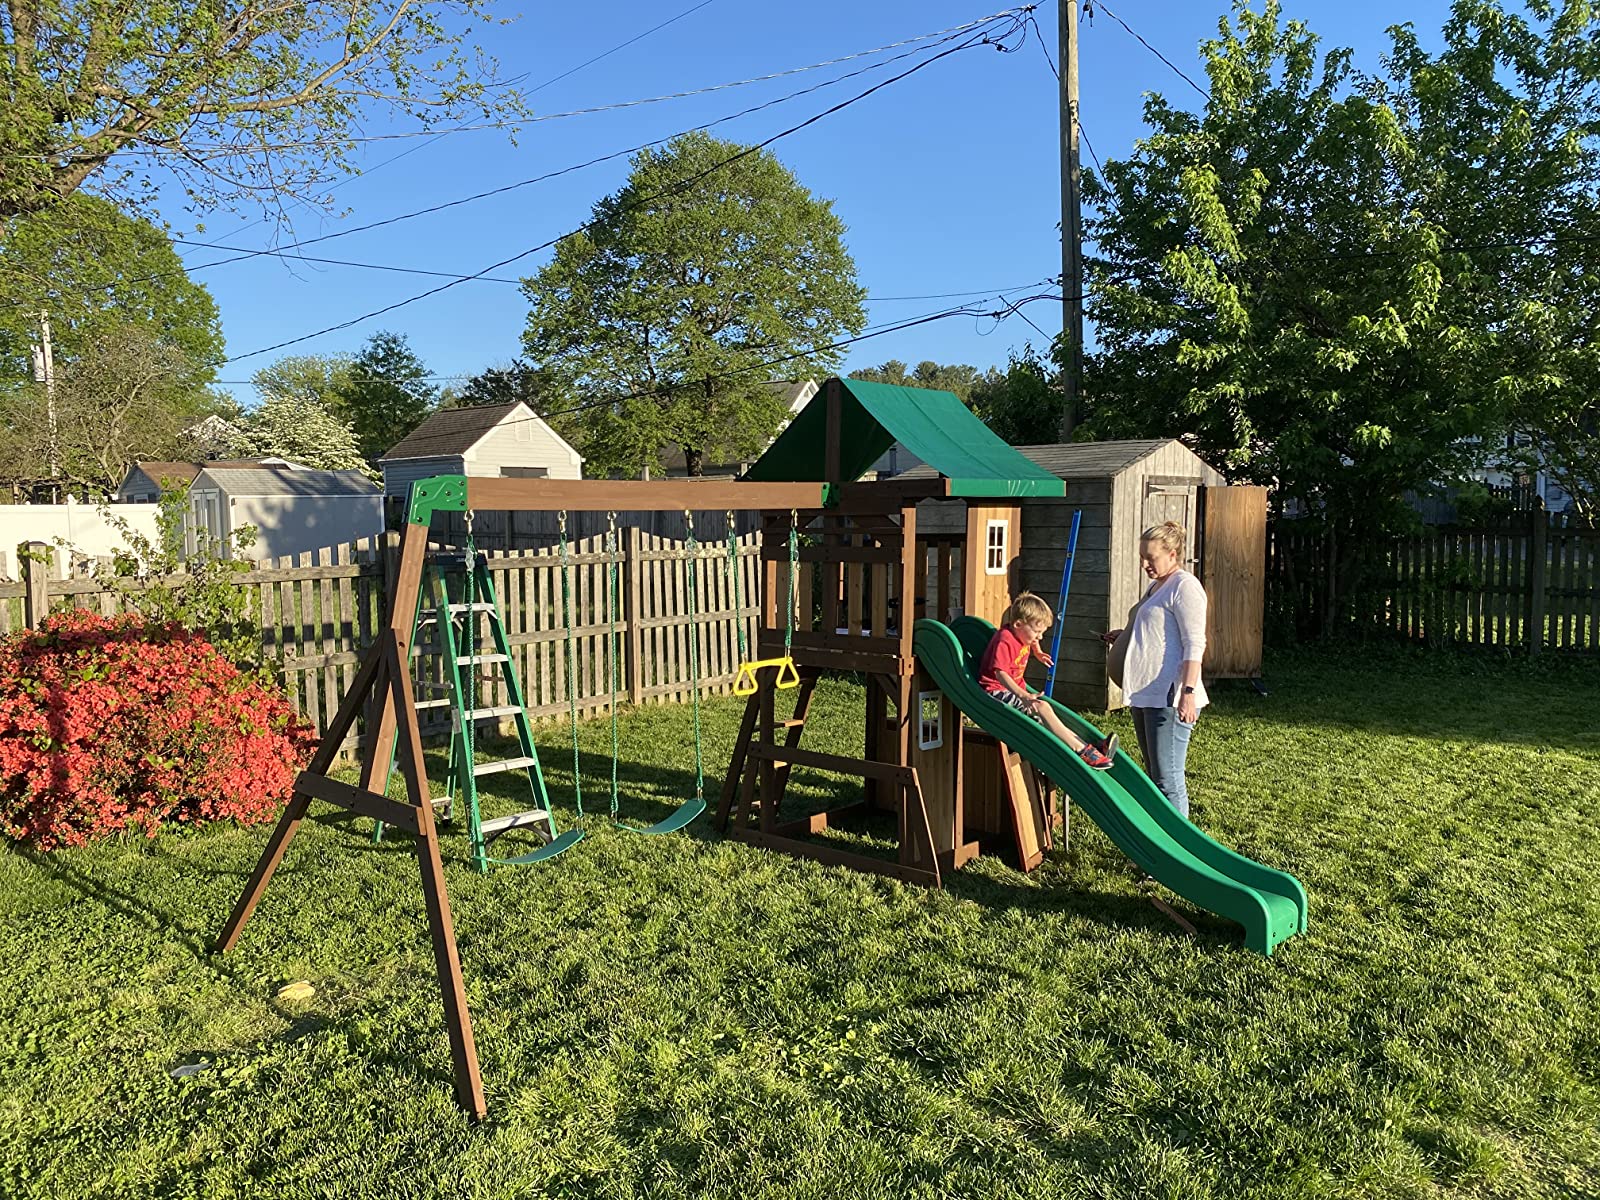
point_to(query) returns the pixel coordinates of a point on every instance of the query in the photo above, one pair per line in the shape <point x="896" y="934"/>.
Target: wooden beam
<point x="620" y="495"/>
<point x="402" y="611"/>
<point x="844" y="765"/>
<point x="830" y="856"/>
<point x="367" y="804"/>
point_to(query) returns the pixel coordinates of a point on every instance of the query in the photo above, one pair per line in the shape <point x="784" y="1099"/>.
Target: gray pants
<point x="1164" y="743"/>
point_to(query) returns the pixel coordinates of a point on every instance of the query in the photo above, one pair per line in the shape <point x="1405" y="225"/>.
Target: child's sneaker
<point x="1092" y="755"/>
<point x="1108" y="746"/>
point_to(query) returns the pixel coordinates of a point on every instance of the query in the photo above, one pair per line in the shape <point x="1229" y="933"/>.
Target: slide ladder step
<point x="504" y="764"/>
<point x="530" y="819"/>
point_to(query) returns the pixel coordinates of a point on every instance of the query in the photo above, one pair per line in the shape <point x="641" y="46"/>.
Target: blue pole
<point x="1061" y="604"/>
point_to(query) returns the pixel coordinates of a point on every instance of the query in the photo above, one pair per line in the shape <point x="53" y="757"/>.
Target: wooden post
<point x="36" y="560"/>
<point x="633" y="610"/>
<point x="1538" y="567"/>
<point x="835" y="419"/>
<point x="402" y="586"/>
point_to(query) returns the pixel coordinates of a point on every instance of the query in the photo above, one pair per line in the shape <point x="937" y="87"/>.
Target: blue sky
<point x="948" y="181"/>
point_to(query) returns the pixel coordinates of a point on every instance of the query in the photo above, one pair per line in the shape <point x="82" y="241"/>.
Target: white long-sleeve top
<point x="1167" y="630"/>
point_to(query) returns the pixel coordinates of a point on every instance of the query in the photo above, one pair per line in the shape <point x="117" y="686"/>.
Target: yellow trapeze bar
<point x="744" y="684"/>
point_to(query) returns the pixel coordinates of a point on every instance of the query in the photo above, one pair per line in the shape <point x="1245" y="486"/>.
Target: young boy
<point x="1007" y="658"/>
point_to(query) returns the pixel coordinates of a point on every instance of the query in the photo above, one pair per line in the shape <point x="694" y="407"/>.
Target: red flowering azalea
<point x="110" y="723"/>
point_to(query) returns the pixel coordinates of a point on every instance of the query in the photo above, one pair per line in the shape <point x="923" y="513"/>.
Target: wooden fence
<point x="319" y="611"/>
<point x="1530" y="584"/>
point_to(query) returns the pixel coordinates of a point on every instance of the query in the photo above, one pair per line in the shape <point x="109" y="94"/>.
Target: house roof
<point x="268" y="482"/>
<point x="451" y="431"/>
<point x="933" y="425"/>
<point x="184" y="472"/>
<point x="1075" y="460"/>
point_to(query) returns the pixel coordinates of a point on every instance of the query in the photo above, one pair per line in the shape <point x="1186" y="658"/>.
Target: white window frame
<point x="991" y="548"/>
<point x="930" y="733"/>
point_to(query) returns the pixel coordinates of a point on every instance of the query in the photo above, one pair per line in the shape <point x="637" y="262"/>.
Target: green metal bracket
<point x="439" y="493"/>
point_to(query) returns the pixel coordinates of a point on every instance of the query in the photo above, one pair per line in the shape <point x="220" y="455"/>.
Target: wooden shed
<point x="1123" y="488"/>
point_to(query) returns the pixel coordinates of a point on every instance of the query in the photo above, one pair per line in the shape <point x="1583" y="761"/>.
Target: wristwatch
<point x="1188" y="691"/>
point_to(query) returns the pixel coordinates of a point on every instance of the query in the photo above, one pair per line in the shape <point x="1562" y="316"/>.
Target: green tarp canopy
<point x="933" y="425"/>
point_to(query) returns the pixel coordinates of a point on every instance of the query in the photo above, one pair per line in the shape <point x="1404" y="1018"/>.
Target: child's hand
<point x="1044" y="658"/>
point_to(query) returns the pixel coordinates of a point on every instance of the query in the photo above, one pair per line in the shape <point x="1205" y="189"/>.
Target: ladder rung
<point x="432" y="703"/>
<point x="503" y="710"/>
<point x="466" y="660"/>
<point x="791" y="723"/>
<point x="478" y="606"/>
<point x="504" y="764"/>
<point x="441" y="801"/>
<point x="521" y="820"/>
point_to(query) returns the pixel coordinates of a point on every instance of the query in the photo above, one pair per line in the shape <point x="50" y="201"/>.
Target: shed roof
<point x="934" y="425"/>
<point x="268" y="482"/>
<point x="1075" y="460"/>
<point x="451" y="431"/>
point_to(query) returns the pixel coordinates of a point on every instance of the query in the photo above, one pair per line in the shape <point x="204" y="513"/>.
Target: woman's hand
<point x="1188" y="710"/>
<point x="1110" y="636"/>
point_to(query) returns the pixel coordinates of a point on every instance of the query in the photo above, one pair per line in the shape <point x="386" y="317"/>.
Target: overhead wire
<point x="980" y="36"/>
<point x="1134" y="34"/>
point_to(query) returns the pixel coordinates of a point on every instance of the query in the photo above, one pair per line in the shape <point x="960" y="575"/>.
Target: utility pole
<point x="1071" y="218"/>
<point x="44" y="372"/>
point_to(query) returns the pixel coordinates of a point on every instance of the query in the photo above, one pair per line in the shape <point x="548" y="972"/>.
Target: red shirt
<point x="1005" y="653"/>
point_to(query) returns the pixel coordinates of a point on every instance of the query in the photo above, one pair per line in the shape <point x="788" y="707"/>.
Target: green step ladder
<point x="461" y="592"/>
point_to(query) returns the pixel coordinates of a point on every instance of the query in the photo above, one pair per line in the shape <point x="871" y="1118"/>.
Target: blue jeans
<point x="1164" y="743"/>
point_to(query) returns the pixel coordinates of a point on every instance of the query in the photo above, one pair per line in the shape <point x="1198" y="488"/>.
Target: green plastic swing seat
<point x="681" y="816"/>
<point x="548" y="851"/>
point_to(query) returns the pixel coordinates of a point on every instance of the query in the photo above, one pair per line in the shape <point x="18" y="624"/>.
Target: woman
<point x="1156" y="660"/>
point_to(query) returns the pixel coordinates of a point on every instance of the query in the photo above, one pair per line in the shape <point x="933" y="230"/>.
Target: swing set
<point x="394" y="734"/>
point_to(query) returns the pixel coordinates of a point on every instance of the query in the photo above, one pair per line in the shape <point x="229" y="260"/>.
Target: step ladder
<point x="462" y="607"/>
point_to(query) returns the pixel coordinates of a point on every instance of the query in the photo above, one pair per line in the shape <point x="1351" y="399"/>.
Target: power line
<point x="978" y="37"/>
<point x="622" y="45"/>
<point x="1204" y="94"/>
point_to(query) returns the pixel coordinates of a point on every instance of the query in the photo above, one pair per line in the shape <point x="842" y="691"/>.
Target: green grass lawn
<point x="684" y="1016"/>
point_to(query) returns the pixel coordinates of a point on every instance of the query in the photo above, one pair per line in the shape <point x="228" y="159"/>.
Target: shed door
<point x="1234" y="572"/>
<point x="1168" y="498"/>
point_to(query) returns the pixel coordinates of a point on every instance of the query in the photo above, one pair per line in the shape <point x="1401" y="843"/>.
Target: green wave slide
<point x="1270" y="904"/>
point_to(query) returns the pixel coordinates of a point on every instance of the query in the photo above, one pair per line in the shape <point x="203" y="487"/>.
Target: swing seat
<point x="548" y="851"/>
<point x="681" y="816"/>
<point x="744" y="684"/>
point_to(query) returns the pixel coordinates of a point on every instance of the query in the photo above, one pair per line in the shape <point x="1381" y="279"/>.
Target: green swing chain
<point x="612" y="549"/>
<point x="691" y="551"/>
<point x="471" y="698"/>
<point x="572" y="680"/>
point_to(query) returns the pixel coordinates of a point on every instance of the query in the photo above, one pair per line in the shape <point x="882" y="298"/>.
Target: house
<point x="146" y="481"/>
<point x="293" y="511"/>
<point x="507" y="441"/>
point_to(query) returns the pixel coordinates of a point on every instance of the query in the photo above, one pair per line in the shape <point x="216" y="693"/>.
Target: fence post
<point x="632" y="612"/>
<point x="391" y="569"/>
<point x="1537" y="572"/>
<point x="35" y="560"/>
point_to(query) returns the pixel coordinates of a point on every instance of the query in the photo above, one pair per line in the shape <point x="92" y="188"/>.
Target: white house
<point x="292" y="511"/>
<point x="508" y="441"/>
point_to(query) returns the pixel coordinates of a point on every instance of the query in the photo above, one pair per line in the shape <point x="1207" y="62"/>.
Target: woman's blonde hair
<point x="1028" y="607"/>
<point x="1169" y="535"/>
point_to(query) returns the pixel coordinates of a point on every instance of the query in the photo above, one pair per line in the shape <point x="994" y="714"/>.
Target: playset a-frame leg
<point x="384" y="677"/>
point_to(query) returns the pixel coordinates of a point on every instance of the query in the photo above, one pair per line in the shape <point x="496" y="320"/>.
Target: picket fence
<point x="1529" y="584"/>
<point x="318" y="612"/>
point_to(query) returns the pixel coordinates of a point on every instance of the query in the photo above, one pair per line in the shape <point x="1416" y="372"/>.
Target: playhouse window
<point x="994" y="547"/>
<point x="930" y="725"/>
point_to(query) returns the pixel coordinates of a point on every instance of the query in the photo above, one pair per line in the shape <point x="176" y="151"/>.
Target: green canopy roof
<point x="933" y="425"/>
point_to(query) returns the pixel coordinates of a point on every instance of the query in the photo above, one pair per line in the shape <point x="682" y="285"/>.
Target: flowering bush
<point x="112" y="723"/>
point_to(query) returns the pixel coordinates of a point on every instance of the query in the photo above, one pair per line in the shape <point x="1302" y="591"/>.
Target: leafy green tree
<point x="324" y="378"/>
<point x="1349" y="286"/>
<point x="300" y="428"/>
<point x="387" y="393"/>
<point x="959" y="378"/>
<point x="1021" y="404"/>
<point x="667" y="316"/>
<point x="92" y="269"/>
<point x="237" y="99"/>
<point x="517" y="380"/>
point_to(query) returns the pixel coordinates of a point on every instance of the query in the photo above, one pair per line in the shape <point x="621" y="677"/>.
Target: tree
<point x="1022" y="405"/>
<point x="299" y="427"/>
<point x="708" y="272"/>
<point x="387" y="394"/>
<point x="124" y="396"/>
<point x="93" y="269"/>
<point x="324" y="378"/>
<point x="517" y="380"/>
<point x="1349" y="286"/>
<point x="236" y="99"/>
<point x="956" y="377"/>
